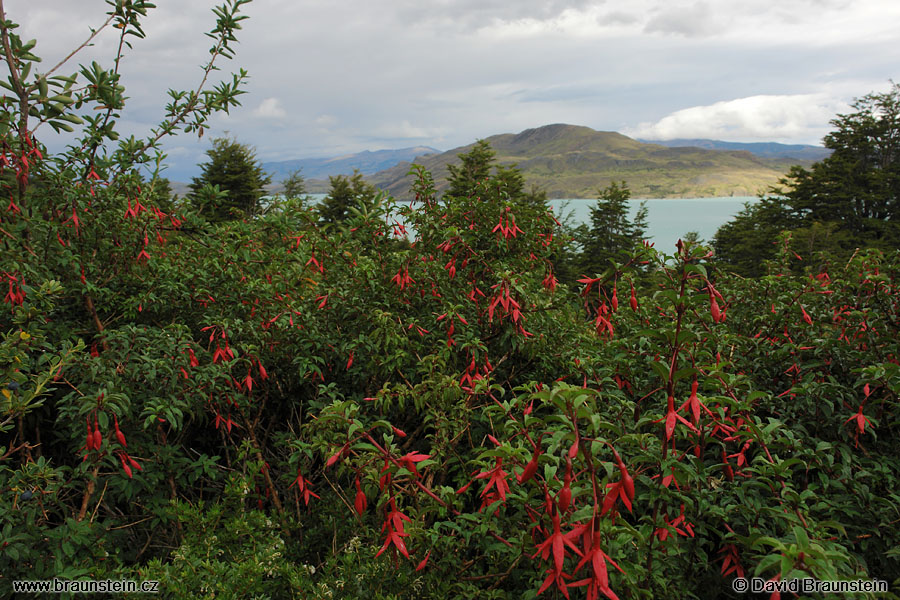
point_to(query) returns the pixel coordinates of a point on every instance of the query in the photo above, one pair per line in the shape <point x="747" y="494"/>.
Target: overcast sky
<point x="335" y="76"/>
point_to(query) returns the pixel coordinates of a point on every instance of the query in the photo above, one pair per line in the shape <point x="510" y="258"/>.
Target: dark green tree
<point x="235" y="171"/>
<point x="474" y="169"/>
<point x="611" y="231"/>
<point x="294" y="186"/>
<point x="346" y="194"/>
<point x="640" y="223"/>
<point x="846" y="201"/>
<point x="748" y="240"/>
<point x="859" y="183"/>
<point x="473" y="177"/>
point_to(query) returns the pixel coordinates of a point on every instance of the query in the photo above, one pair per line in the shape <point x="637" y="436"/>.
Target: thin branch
<point x="59" y="65"/>
<point x="15" y="76"/>
<point x="10" y="60"/>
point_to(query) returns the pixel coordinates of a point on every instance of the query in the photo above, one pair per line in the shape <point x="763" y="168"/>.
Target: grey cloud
<point x="360" y="74"/>
<point x="618" y="17"/>
<point x="557" y="93"/>
<point x="690" y="21"/>
<point x="475" y="13"/>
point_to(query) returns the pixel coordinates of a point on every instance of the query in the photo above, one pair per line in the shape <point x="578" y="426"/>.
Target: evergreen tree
<point x="610" y="231"/>
<point x="232" y="181"/>
<point x="294" y="186"/>
<point x="748" y="240"/>
<point x="346" y="194"/>
<point x="858" y="186"/>
<point x="641" y="222"/>
<point x="849" y="200"/>
<point x="473" y="177"/>
<point x="475" y="169"/>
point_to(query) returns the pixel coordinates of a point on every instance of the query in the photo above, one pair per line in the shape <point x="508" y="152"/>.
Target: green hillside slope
<point x="570" y="161"/>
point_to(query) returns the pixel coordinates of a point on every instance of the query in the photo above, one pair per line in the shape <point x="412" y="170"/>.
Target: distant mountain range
<point x="570" y="161"/>
<point x="367" y="162"/>
<point x="763" y="149"/>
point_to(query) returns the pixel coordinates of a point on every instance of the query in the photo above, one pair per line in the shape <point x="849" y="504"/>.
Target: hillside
<point x="801" y="152"/>
<point x="570" y="161"/>
<point x="367" y="162"/>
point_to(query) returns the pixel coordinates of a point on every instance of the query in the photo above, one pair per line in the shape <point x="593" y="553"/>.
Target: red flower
<point x="496" y="479"/>
<point x="530" y="469"/>
<point x="556" y="544"/>
<point x="119" y="435"/>
<point x="361" y="501"/>
<point x="410" y="459"/>
<point x="806" y="316"/>
<point x="303" y="487"/>
<point x="597" y="558"/>
<point x="861" y="421"/>
<point x="125" y="466"/>
<point x="393" y="526"/>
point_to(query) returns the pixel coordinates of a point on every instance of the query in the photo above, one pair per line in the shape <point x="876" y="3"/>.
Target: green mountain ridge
<point x="802" y="152"/>
<point x="571" y="161"/>
<point x="368" y="162"/>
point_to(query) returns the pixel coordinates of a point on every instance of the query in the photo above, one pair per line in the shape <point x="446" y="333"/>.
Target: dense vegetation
<point x="847" y="201"/>
<point x="372" y="399"/>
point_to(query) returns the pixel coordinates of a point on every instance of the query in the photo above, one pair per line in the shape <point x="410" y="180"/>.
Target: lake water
<point x="667" y="218"/>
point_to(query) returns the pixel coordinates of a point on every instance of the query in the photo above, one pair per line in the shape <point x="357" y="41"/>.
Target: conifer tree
<point x="232" y="181"/>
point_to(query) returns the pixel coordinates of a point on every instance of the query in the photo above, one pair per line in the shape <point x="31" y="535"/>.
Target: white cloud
<point x="795" y="117"/>
<point x="405" y="130"/>
<point x="270" y="108"/>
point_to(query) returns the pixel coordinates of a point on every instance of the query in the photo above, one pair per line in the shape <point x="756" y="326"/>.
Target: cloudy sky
<point x="336" y="76"/>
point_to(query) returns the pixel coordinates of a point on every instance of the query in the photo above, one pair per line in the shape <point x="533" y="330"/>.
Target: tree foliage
<point x="233" y="171"/>
<point x="347" y="195"/>
<point x="611" y="233"/>
<point x="294" y="185"/>
<point x="472" y="171"/>
<point x="844" y="202"/>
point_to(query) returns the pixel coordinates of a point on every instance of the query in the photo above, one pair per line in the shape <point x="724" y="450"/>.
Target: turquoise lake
<point x="668" y="218"/>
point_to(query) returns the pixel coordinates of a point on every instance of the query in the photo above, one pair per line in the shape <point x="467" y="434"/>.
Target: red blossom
<point x="125" y="465"/>
<point x="556" y="544"/>
<point x="806" y="316"/>
<point x="393" y="528"/>
<point x="119" y="435"/>
<point x="303" y="487"/>
<point x="360" y="502"/>
<point x="597" y="559"/>
<point x="497" y="480"/>
<point x="410" y="459"/>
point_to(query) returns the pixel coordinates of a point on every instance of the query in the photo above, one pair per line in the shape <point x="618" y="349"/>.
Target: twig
<point x="130" y="524"/>
<point x="99" y="500"/>
<point x="58" y="65"/>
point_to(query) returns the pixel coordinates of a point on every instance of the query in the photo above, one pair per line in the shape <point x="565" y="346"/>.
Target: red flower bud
<point x="361" y="501"/>
<point x="530" y="468"/>
<point x="119" y="435"/>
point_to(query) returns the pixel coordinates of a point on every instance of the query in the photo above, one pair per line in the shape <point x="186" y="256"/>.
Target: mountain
<point x="570" y="161"/>
<point x="368" y="162"/>
<point x="801" y="152"/>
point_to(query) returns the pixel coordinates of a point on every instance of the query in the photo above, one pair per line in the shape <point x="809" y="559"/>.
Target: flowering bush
<point x="409" y="401"/>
